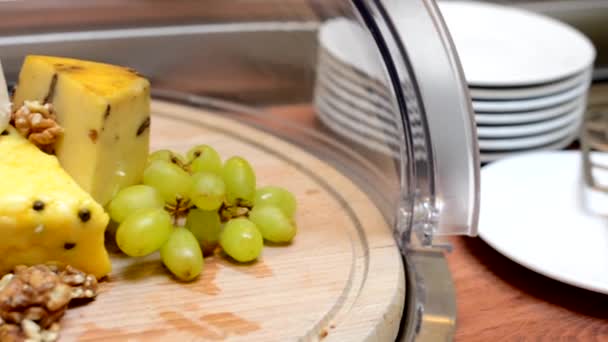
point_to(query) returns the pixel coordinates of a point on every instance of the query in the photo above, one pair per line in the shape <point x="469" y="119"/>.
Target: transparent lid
<point x="373" y="87"/>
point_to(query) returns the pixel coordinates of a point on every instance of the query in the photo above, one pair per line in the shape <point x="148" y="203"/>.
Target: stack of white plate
<point x="351" y="96"/>
<point x="528" y="77"/>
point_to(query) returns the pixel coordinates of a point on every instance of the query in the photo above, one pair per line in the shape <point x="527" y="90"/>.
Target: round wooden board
<point x="342" y="279"/>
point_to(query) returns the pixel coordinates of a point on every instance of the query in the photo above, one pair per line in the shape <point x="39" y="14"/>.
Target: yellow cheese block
<point x="44" y="215"/>
<point x="105" y="112"/>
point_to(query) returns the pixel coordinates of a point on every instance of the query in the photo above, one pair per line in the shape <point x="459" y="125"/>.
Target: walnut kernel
<point x="38" y="123"/>
<point x="33" y="299"/>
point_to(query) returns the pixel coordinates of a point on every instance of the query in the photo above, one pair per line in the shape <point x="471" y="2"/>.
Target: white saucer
<point x="536" y="211"/>
<point x="527" y="142"/>
<point x="487" y="156"/>
<point x="530" y="104"/>
<point x="516" y="93"/>
<point x="526" y="117"/>
<point x="505" y="46"/>
<point x="571" y="118"/>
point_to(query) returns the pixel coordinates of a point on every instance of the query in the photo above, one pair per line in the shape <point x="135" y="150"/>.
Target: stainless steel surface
<point x="222" y="59"/>
<point x="43" y="16"/>
<point x="432" y="315"/>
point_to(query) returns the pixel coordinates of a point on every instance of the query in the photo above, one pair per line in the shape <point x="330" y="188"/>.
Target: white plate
<point x="350" y="44"/>
<point x="354" y="132"/>
<point x="571" y="118"/>
<point x="358" y="86"/>
<point x="527" y="142"/>
<point x="530" y="92"/>
<point x="356" y="113"/>
<point x="530" y="104"/>
<point x="525" y="117"/>
<point x="386" y="143"/>
<point x="354" y="123"/>
<point x="360" y="108"/>
<point x="535" y="211"/>
<point x="346" y="92"/>
<point x="505" y="46"/>
<point x="354" y="84"/>
<point x="486" y="157"/>
<point x="346" y="73"/>
<point x="368" y="119"/>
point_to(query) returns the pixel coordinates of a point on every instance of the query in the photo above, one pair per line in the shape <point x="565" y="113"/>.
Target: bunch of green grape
<point x="188" y="206"/>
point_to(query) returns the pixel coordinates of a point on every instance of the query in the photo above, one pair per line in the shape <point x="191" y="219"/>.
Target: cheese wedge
<point x="105" y="112"/>
<point x="44" y="215"/>
<point x="5" y="103"/>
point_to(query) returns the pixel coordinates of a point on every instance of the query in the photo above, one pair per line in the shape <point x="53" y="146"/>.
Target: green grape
<point x="240" y="181"/>
<point x="133" y="198"/>
<point x="206" y="227"/>
<point x="208" y="191"/>
<point x="272" y="222"/>
<point x="182" y="255"/>
<point x="171" y="181"/>
<point x="278" y="197"/>
<point x="241" y="240"/>
<point x="168" y="156"/>
<point x="204" y="158"/>
<point x="144" y="232"/>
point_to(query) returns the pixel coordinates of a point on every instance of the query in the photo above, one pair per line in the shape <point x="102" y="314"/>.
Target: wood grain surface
<point x="499" y="300"/>
<point x="342" y="279"/>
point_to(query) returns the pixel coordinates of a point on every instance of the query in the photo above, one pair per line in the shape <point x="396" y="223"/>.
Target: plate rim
<point x="487" y="157"/>
<point x="527" y="92"/>
<point x="529" y="129"/>
<point x="530" y="104"/>
<point x="505" y="15"/>
<point x="530" y="116"/>
<point x="518" y="143"/>
<point x="352" y="133"/>
<point x="591" y="287"/>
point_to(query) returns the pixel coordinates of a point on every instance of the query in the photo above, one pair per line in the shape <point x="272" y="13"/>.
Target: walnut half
<point x="38" y="123"/>
<point x="33" y="300"/>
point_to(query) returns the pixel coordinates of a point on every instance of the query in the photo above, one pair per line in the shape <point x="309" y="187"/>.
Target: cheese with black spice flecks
<point x="44" y="215"/>
<point x="105" y="113"/>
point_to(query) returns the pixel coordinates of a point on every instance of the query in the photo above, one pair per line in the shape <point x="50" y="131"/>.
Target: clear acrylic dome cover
<point x="378" y="87"/>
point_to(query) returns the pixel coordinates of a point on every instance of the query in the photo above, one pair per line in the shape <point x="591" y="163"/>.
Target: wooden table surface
<point x="499" y="300"/>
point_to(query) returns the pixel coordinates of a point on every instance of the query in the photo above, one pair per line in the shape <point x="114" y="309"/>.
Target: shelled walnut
<point x="83" y="285"/>
<point x="38" y="123"/>
<point x="33" y="300"/>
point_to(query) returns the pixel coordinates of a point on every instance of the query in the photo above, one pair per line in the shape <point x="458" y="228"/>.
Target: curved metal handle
<point x="430" y="313"/>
